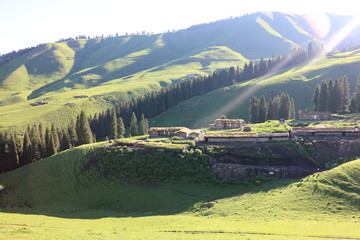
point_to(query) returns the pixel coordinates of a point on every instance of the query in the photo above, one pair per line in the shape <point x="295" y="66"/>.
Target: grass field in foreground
<point x="23" y="226"/>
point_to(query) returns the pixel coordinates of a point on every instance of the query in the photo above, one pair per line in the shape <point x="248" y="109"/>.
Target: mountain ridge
<point x="127" y="66"/>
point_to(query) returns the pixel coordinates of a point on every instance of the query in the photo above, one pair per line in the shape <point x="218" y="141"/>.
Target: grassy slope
<point x="299" y="81"/>
<point x="326" y="204"/>
<point x="127" y="66"/>
<point x="109" y="79"/>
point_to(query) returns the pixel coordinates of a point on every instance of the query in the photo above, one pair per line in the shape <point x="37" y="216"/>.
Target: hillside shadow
<point x="175" y="199"/>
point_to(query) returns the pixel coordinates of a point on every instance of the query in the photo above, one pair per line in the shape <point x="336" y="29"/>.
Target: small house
<point x="313" y="115"/>
<point x="183" y="133"/>
<point x="197" y="133"/>
<point x="227" y="123"/>
<point x="165" y="131"/>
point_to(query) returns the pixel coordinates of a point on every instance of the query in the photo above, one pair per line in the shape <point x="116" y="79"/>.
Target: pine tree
<point x="65" y="142"/>
<point x="35" y="153"/>
<point x="42" y="140"/>
<point x="15" y="161"/>
<point x="121" y="127"/>
<point x="276" y="106"/>
<point x="83" y="130"/>
<point x="352" y="107"/>
<point x="72" y="133"/>
<point x="262" y="109"/>
<point x="56" y="137"/>
<point x="144" y="125"/>
<point x="254" y="110"/>
<point x="315" y="98"/>
<point x="323" y="97"/>
<point x="134" y="125"/>
<point x="356" y="95"/>
<point x="113" y="125"/>
<point x="335" y="98"/>
<point x="50" y="143"/>
<point x="345" y="94"/>
<point x="292" y="109"/>
<point x="270" y="110"/>
<point x="285" y="104"/>
<point x="26" y="155"/>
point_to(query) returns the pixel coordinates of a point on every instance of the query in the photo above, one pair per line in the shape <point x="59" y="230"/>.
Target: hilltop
<point x="125" y="67"/>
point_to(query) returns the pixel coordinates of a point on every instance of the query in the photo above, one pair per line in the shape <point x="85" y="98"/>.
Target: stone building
<point x="228" y="123"/>
<point x="312" y="115"/>
<point x="325" y="132"/>
<point x="181" y="132"/>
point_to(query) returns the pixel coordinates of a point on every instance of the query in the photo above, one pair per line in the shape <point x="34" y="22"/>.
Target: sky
<point x="26" y="23"/>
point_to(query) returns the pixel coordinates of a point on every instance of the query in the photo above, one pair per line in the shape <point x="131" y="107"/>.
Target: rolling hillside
<point x="128" y="66"/>
<point x="299" y="81"/>
<point x="64" y="199"/>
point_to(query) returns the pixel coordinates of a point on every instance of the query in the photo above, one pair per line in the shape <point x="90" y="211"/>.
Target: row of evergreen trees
<point x="39" y="142"/>
<point x="280" y="106"/>
<point x="332" y="96"/>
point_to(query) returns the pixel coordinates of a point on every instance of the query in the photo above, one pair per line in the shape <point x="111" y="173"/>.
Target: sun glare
<point x="320" y="25"/>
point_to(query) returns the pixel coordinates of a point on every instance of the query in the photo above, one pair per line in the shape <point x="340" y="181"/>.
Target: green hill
<point x="326" y="204"/>
<point x="299" y="81"/>
<point x="128" y="66"/>
<point x="90" y="178"/>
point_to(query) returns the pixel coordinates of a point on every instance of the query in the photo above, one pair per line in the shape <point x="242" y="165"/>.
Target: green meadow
<point x="54" y="199"/>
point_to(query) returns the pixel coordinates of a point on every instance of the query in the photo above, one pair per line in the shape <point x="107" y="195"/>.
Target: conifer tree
<point x="315" y="98"/>
<point x="42" y="139"/>
<point x="65" y="142"/>
<point x="323" y="97"/>
<point x="292" y="109"/>
<point x="50" y="143"/>
<point x="345" y="94"/>
<point x="356" y="95"/>
<point x="113" y="125"/>
<point x="35" y="153"/>
<point x="26" y="155"/>
<point x="121" y="127"/>
<point x="335" y="98"/>
<point x="56" y="137"/>
<point x="352" y="107"/>
<point x="134" y="125"/>
<point x="270" y="110"/>
<point x="83" y="130"/>
<point x="262" y="109"/>
<point x="144" y="125"/>
<point x="276" y="106"/>
<point x="15" y="161"/>
<point x="72" y="133"/>
<point x="284" y="109"/>
<point x="254" y="110"/>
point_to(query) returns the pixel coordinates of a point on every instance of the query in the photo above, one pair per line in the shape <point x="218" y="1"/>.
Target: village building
<point x="227" y="123"/>
<point x="231" y="137"/>
<point x="181" y="132"/>
<point x="313" y="115"/>
<point x="325" y="132"/>
<point x="246" y="137"/>
<point x="265" y="137"/>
